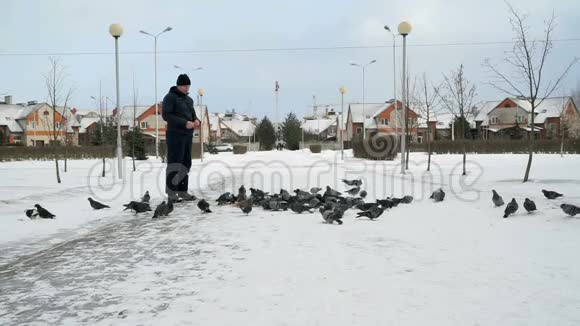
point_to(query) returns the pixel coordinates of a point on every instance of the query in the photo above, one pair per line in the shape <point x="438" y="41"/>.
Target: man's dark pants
<point x="178" y="163"/>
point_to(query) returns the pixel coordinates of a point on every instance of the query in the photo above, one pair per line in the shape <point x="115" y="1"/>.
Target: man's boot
<point x="174" y="197"/>
<point x="185" y="196"/>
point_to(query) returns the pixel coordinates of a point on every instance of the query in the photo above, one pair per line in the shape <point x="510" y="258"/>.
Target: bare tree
<point x="576" y="94"/>
<point x="457" y="95"/>
<point x="427" y="105"/>
<point x="527" y="61"/>
<point x="57" y="94"/>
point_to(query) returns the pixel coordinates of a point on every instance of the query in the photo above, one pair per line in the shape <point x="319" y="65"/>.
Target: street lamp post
<point x="363" y="67"/>
<point x="116" y="30"/>
<point x="342" y="91"/>
<point x="156" y="101"/>
<point x="404" y="30"/>
<point x="394" y="81"/>
<point x="201" y="93"/>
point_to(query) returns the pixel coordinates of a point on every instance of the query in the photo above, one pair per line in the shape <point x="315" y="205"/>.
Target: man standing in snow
<point x="181" y="119"/>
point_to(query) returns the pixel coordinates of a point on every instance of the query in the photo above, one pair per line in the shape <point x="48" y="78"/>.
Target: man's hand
<point x="196" y="123"/>
<point x="190" y="124"/>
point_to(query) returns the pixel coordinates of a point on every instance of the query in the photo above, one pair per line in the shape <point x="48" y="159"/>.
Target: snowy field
<point x="457" y="262"/>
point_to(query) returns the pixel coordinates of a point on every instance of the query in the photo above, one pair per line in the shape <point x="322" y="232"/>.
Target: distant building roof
<point x="240" y="127"/>
<point x="368" y="110"/>
<point x="549" y="108"/>
<point x="317" y="126"/>
<point x="130" y="111"/>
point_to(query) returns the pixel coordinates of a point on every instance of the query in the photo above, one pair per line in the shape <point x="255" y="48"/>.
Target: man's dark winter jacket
<point x="177" y="110"/>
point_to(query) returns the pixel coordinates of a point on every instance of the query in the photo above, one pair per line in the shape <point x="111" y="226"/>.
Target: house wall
<point x="506" y="115"/>
<point x="148" y="117"/>
<point x="38" y="126"/>
<point x="354" y="127"/>
<point x="394" y="126"/>
<point x="551" y="128"/>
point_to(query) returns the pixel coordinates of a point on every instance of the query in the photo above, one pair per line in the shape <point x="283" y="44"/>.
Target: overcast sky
<point x="32" y="30"/>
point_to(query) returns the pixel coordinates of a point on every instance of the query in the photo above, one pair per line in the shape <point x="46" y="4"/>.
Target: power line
<point x="290" y="49"/>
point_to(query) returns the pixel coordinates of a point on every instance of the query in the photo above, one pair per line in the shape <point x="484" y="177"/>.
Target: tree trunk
<point x="531" y="154"/>
<point x="103" y="175"/>
<point x="561" y="139"/>
<point x="65" y="156"/>
<point x="464" y="146"/>
<point x="133" y="148"/>
<point x="56" y="164"/>
<point x="407" y="157"/>
<point x="428" y="148"/>
<point x="464" y="158"/>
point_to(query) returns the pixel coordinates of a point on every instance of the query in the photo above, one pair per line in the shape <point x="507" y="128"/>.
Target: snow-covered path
<point x="452" y="263"/>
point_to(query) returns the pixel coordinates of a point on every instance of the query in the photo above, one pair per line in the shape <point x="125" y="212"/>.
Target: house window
<point x="520" y="119"/>
<point x="143" y="124"/>
<point x="58" y="125"/>
<point x="359" y="131"/>
<point x="384" y="122"/>
<point x="493" y="120"/>
<point x="33" y="124"/>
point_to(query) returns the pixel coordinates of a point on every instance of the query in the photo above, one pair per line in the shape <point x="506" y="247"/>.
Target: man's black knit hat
<point x="183" y="80"/>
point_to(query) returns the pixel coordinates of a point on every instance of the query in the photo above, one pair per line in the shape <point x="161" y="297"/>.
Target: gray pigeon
<point x="511" y="208"/>
<point x="363" y="194"/>
<point x="551" y="194"/>
<point x="169" y="208"/>
<point x="277" y="205"/>
<point x="329" y="216"/>
<point x="146" y="198"/>
<point x="300" y="194"/>
<point x="406" y="200"/>
<point x="285" y="195"/>
<point x="529" y="205"/>
<point x="246" y="206"/>
<point x="315" y="190"/>
<point x="354" y="183"/>
<point x="225" y="199"/>
<point x="43" y="213"/>
<point x="372" y="213"/>
<point x="570" y="209"/>
<point x="241" y="194"/>
<point x="353" y="191"/>
<point x="96" y="205"/>
<point x="204" y="206"/>
<point x="331" y="192"/>
<point x="438" y="195"/>
<point x="31" y="213"/>
<point x="496" y="199"/>
<point x="160" y="210"/>
<point x="138" y="207"/>
<point x="298" y="207"/>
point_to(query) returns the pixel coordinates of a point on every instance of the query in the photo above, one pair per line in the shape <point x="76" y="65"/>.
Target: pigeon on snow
<point x="43" y="213"/>
<point x="570" y="209"/>
<point x="511" y="208"/>
<point x="529" y="205"/>
<point x="551" y="194"/>
<point x="96" y="205"/>
<point x="204" y="206"/>
<point x="496" y="199"/>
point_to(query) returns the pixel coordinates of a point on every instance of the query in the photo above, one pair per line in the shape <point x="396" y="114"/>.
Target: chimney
<point x="8" y="99"/>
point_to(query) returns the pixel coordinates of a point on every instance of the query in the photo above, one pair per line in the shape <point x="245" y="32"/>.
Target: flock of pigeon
<point x="530" y="206"/>
<point x="331" y="204"/>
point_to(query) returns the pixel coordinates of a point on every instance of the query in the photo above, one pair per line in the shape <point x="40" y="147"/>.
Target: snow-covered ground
<point x="452" y="263"/>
